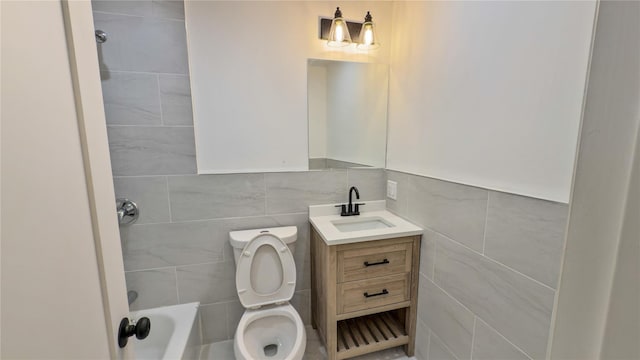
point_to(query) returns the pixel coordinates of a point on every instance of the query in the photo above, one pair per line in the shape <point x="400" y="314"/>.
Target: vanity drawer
<point x="371" y="293"/>
<point x="375" y="259"/>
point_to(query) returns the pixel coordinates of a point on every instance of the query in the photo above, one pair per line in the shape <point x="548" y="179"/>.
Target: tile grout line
<point x="486" y="221"/>
<point x="220" y="219"/>
<point x="477" y="317"/>
<point x="201" y="332"/>
<point x="175" y="273"/>
<point x="453" y="297"/>
<point x="150" y="269"/>
<point x="473" y="335"/>
<point x="160" y="100"/>
<point x="264" y="183"/>
<point x="166" y="178"/>
<point x="425" y="275"/>
<point x="443" y="344"/>
<point x="424" y="325"/>
<point x="520" y="273"/>
<point x="196" y="174"/>
<point x="428" y="338"/>
<point x="348" y="180"/>
<point x="505" y="339"/>
<point x="227" y="326"/>
<point x="151" y="126"/>
<point x="136" y="16"/>
<point x="493" y="260"/>
<point x="142" y="72"/>
<point x="435" y="253"/>
<point x="406" y="203"/>
<point x="219" y="303"/>
<point x="135" y="176"/>
<point x="177" y="266"/>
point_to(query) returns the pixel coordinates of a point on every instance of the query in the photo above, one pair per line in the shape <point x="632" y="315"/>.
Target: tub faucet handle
<point x="127" y="210"/>
<point x="140" y="329"/>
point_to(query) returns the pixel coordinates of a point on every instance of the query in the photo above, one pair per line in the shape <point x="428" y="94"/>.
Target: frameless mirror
<point x="347" y="112"/>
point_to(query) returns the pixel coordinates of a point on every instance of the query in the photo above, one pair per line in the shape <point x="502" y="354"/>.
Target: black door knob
<point x="127" y="329"/>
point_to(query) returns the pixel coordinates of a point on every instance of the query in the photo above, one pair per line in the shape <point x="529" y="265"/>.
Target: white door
<point x="63" y="290"/>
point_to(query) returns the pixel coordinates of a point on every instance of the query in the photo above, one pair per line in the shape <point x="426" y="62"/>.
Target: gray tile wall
<point x="178" y="251"/>
<point x="489" y="267"/>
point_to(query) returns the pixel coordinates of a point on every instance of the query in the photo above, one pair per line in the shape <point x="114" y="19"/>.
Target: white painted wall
<point x="357" y="112"/>
<point x="623" y="320"/>
<point x="248" y="65"/>
<point x="602" y="186"/>
<point x="52" y="304"/>
<point x="489" y="93"/>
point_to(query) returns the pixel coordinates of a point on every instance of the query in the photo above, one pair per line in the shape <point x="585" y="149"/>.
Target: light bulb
<point x="339" y="32"/>
<point x="339" y="37"/>
<point x="368" y="39"/>
<point x="368" y="36"/>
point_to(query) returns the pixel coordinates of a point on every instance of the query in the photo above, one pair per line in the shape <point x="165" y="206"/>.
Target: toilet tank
<point x="238" y="239"/>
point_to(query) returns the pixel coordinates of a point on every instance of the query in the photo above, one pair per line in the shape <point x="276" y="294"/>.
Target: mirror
<point x="347" y="113"/>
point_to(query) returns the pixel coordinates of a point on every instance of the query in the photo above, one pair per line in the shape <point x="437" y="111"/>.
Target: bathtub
<point x="175" y="333"/>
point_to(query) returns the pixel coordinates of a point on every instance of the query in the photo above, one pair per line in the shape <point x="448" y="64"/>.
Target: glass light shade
<point x="339" y="32"/>
<point x="368" y="39"/>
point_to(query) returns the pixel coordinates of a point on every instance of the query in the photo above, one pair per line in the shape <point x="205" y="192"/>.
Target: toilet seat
<point x="250" y="297"/>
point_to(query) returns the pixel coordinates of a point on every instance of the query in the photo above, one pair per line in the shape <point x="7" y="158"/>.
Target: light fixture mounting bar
<point x="325" y="27"/>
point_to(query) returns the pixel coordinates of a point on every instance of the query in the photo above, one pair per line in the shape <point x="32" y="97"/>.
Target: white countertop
<point x="322" y="217"/>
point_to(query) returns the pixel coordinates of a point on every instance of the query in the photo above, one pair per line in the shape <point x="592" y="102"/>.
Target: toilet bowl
<point x="270" y="328"/>
<point x="276" y="333"/>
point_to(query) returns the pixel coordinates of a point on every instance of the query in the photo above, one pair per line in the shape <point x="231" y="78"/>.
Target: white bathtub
<point x="174" y="335"/>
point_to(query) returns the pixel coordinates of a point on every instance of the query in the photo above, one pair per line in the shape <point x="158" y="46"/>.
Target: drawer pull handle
<point x="385" y="261"/>
<point x="383" y="292"/>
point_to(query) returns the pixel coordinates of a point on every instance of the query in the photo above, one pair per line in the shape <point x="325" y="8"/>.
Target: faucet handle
<point x="343" y="210"/>
<point x="356" y="211"/>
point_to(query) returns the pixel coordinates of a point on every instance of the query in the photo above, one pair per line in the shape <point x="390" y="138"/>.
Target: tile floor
<point x="223" y="350"/>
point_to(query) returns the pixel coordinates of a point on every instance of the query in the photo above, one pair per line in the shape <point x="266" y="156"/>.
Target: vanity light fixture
<point x="368" y="39"/>
<point x="339" y="32"/>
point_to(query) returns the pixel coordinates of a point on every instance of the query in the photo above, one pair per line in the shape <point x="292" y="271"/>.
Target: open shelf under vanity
<point x="370" y="333"/>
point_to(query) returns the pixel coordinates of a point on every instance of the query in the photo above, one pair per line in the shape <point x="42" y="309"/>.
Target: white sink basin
<point x="361" y="223"/>
<point x="374" y="223"/>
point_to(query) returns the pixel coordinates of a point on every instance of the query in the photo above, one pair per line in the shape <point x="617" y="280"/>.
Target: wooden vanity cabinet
<point x="364" y="294"/>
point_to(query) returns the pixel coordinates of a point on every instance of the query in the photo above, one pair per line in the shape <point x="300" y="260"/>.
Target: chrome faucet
<point x="351" y="209"/>
<point x="127" y="211"/>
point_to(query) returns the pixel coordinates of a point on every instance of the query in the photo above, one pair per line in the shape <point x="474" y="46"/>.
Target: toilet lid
<point x="266" y="272"/>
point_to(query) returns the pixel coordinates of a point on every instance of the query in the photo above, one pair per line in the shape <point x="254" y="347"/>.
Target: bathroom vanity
<point x="364" y="280"/>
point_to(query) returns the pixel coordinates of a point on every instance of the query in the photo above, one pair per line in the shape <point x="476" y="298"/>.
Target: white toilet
<point x="270" y="328"/>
